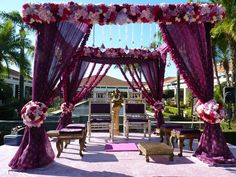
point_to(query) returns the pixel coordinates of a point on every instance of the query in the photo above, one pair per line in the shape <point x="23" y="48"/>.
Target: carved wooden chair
<point x="100" y="116"/>
<point x="135" y="118"/>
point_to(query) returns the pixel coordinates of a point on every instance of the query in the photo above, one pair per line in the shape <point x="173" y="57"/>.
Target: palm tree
<point x="8" y="46"/>
<point x="25" y="48"/>
<point x="227" y="28"/>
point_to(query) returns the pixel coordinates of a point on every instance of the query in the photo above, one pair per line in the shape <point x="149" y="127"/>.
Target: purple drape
<point x="70" y="85"/>
<point x="189" y="45"/>
<point x="71" y="81"/>
<point x="55" y="45"/>
<point x="87" y="89"/>
<point x="153" y="72"/>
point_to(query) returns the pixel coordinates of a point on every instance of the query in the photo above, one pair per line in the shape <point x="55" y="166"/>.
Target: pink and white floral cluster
<point x="158" y="106"/>
<point x="119" y="53"/>
<point x="211" y="111"/>
<point x="34" y="113"/>
<point x="67" y="107"/>
<point x="121" y="14"/>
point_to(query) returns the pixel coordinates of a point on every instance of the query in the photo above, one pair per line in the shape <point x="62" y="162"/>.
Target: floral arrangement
<point x="158" y="106"/>
<point x="211" y="112"/>
<point x="34" y="113"/>
<point x="121" y="14"/>
<point x="119" y="53"/>
<point x="67" y="107"/>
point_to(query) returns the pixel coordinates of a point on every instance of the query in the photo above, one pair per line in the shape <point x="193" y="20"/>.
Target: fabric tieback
<point x="158" y="106"/>
<point x="210" y="112"/>
<point x="34" y="113"/>
<point x="67" y="107"/>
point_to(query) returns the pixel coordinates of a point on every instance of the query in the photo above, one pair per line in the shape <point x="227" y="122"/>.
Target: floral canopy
<point x="61" y="52"/>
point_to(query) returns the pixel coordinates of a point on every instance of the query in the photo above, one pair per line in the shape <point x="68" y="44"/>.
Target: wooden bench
<point x="152" y="148"/>
<point x="181" y="135"/>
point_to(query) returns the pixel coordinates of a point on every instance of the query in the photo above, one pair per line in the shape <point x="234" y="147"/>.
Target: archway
<point x="61" y="28"/>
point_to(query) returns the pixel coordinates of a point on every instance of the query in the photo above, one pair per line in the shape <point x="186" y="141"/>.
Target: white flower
<point x="186" y="17"/>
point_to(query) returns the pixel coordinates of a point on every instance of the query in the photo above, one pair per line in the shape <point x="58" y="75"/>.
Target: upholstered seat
<point x="77" y="125"/>
<point x="135" y="117"/>
<point x="152" y="148"/>
<point x="100" y="116"/>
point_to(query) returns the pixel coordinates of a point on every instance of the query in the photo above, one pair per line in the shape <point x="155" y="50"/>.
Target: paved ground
<point x="98" y="163"/>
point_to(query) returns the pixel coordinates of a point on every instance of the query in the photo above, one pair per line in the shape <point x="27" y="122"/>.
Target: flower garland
<point x="119" y="53"/>
<point x="67" y="107"/>
<point x="34" y="113"/>
<point x="121" y="14"/>
<point x="211" y="112"/>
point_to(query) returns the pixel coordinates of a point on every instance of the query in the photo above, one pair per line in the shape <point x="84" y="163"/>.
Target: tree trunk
<point x="21" y="82"/>
<point x="232" y="48"/>
<point x="216" y="71"/>
<point x="178" y="92"/>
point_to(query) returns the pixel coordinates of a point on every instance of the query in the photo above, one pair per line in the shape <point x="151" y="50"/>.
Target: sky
<point x="134" y="36"/>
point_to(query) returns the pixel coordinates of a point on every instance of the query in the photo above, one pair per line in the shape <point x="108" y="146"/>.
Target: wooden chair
<point x="135" y="117"/>
<point x="100" y="116"/>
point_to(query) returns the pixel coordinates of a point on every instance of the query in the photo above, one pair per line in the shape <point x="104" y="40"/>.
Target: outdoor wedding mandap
<point x="62" y="58"/>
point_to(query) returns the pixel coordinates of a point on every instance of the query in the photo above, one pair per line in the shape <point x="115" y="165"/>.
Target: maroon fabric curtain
<point x="70" y="85"/>
<point x="91" y="84"/>
<point x="55" y="45"/>
<point x="153" y="73"/>
<point x="71" y="80"/>
<point x="189" y="46"/>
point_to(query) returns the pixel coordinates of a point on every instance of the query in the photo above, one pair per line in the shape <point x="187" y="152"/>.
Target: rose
<point x="34" y="113"/>
<point x="211" y="112"/>
<point x="67" y="107"/>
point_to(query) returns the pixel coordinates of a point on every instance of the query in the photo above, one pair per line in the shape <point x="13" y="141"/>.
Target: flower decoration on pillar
<point x="211" y="111"/>
<point x="158" y="106"/>
<point x="34" y="113"/>
<point x="67" y="107"/>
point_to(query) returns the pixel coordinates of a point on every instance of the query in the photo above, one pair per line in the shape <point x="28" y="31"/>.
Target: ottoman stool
<point x="152" y="148"/>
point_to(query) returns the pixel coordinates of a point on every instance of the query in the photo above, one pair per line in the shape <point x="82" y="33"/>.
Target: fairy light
<point x="132" y="35"/>
<point x="110" y="34"/>
<point x="141" y="40"/>
<point x="119" y="34"/>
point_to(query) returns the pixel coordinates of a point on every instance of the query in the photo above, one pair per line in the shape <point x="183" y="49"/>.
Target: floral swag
<point x="211" y="111"/>
<point x="91" y="52"/>
<point x="67" y="107"/>
<point x="34" y="113"/>
<point x="121" y="14"/>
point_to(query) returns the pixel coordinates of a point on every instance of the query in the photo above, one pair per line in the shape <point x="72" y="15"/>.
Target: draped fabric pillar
<point x="55" y="45"/>
<point x="189" y="45"/>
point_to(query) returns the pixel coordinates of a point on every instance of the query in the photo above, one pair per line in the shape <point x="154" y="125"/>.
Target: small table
<point x="153" y="148"/>
<point x="181" y="135"/>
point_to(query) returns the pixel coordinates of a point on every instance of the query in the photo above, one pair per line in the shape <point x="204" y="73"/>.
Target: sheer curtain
<point x="55" y="46"/>
<point x="189" y="46"/>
